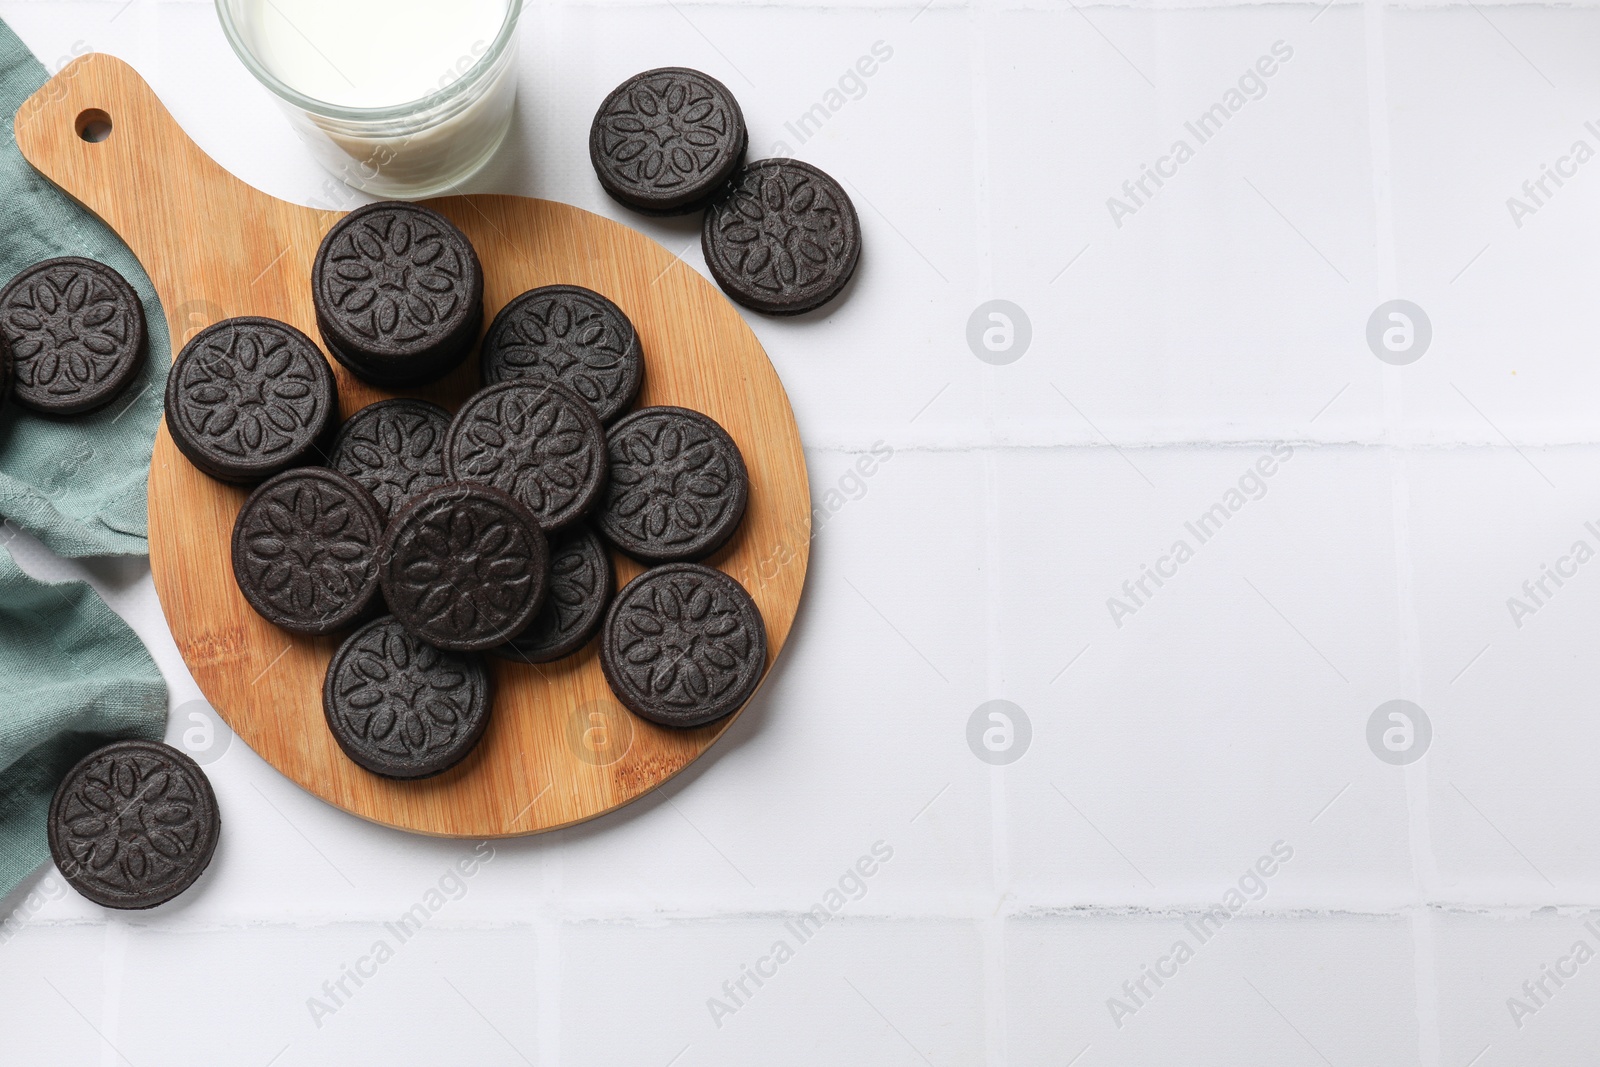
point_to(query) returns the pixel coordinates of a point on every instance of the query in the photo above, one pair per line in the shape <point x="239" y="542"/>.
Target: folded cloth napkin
<point x="72" y="677"/>
<point x="77" y="484"/>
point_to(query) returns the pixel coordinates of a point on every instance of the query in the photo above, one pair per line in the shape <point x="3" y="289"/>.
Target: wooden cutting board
<point x="560" y="748"/>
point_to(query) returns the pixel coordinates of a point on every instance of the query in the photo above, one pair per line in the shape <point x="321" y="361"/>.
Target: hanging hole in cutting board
<point x="93" y="125"/>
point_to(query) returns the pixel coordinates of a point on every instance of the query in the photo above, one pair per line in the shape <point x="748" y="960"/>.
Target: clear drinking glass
<point x="419" y="146"/>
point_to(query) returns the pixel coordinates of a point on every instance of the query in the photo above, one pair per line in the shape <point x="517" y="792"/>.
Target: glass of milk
<point x="400" y="98"/>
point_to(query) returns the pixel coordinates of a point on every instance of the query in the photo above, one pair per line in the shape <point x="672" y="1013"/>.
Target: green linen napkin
<point x="77" y="484"/>
<point x="72" y="674"/>
<point x="72" y="677"/>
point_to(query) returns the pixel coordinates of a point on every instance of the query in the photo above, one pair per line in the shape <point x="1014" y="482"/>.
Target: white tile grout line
<point x="1100" y="443"/>
<point x="114" y="967"/>
<point x="1425" y="870"/>
<point x="548" y="968"/>
<point x="954" y="906"/>
<point x="991" y="924"/>
<point x="948" y="7"/>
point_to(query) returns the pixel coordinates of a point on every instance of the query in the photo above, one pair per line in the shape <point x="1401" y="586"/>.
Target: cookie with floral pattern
<point x="250" y="397"/>
<point x="464" y="567"/>
<point x="539" y="441"/>
<point x="683" y="645"/>
<point x="401" y="707"/>
<point x="133" y="824"/>
<point x="571" y="335"/>
<point x="305" y="550"/>
<point x="678" y="487"/>
<point x="76" y="332"/>
<point x="667" y="140"/>
<point x="398" y="291"/>
<point x="394" y="448"/>
<point x="784" y="239"/>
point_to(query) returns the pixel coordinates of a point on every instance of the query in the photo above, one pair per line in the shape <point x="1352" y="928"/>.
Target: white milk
<point x="394" y="54"/>
<point x="369" y="53"/>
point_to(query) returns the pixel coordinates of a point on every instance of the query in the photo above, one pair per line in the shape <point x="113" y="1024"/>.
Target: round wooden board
<point x="559" y="749"/>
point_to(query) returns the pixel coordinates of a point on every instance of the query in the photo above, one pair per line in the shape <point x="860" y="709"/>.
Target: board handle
<point x="98" y="122"/>
<point x="99" y="132"/>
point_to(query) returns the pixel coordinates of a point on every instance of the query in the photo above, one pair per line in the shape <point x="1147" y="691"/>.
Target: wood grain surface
<point x="560" y="749"/>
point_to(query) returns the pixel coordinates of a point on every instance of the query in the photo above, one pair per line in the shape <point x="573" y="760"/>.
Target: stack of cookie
<point x="442" y="537"/>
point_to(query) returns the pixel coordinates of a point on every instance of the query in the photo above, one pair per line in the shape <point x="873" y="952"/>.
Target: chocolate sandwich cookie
<point x="250" y="397"/>
<point x="399" y="294"/>
<point x="76" y="330"/>
<point x="678" y="485"/>
<point x="394" y="448"/>
<point x="667" y="140"/>
<point x="683" y="644"/>
<point x="581" y="583"/>
<point x="133" y="824"/>
<point x="402" y="708"/>
<point x="464" y="567"/>
<point x="305" y="550"/>
<point x="539" y="441"/>
<point x="785" y="238"/>
<point x="571" y="335"/>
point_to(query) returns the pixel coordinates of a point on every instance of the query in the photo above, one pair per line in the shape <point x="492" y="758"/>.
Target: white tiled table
<point x="1226" y="315"/>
